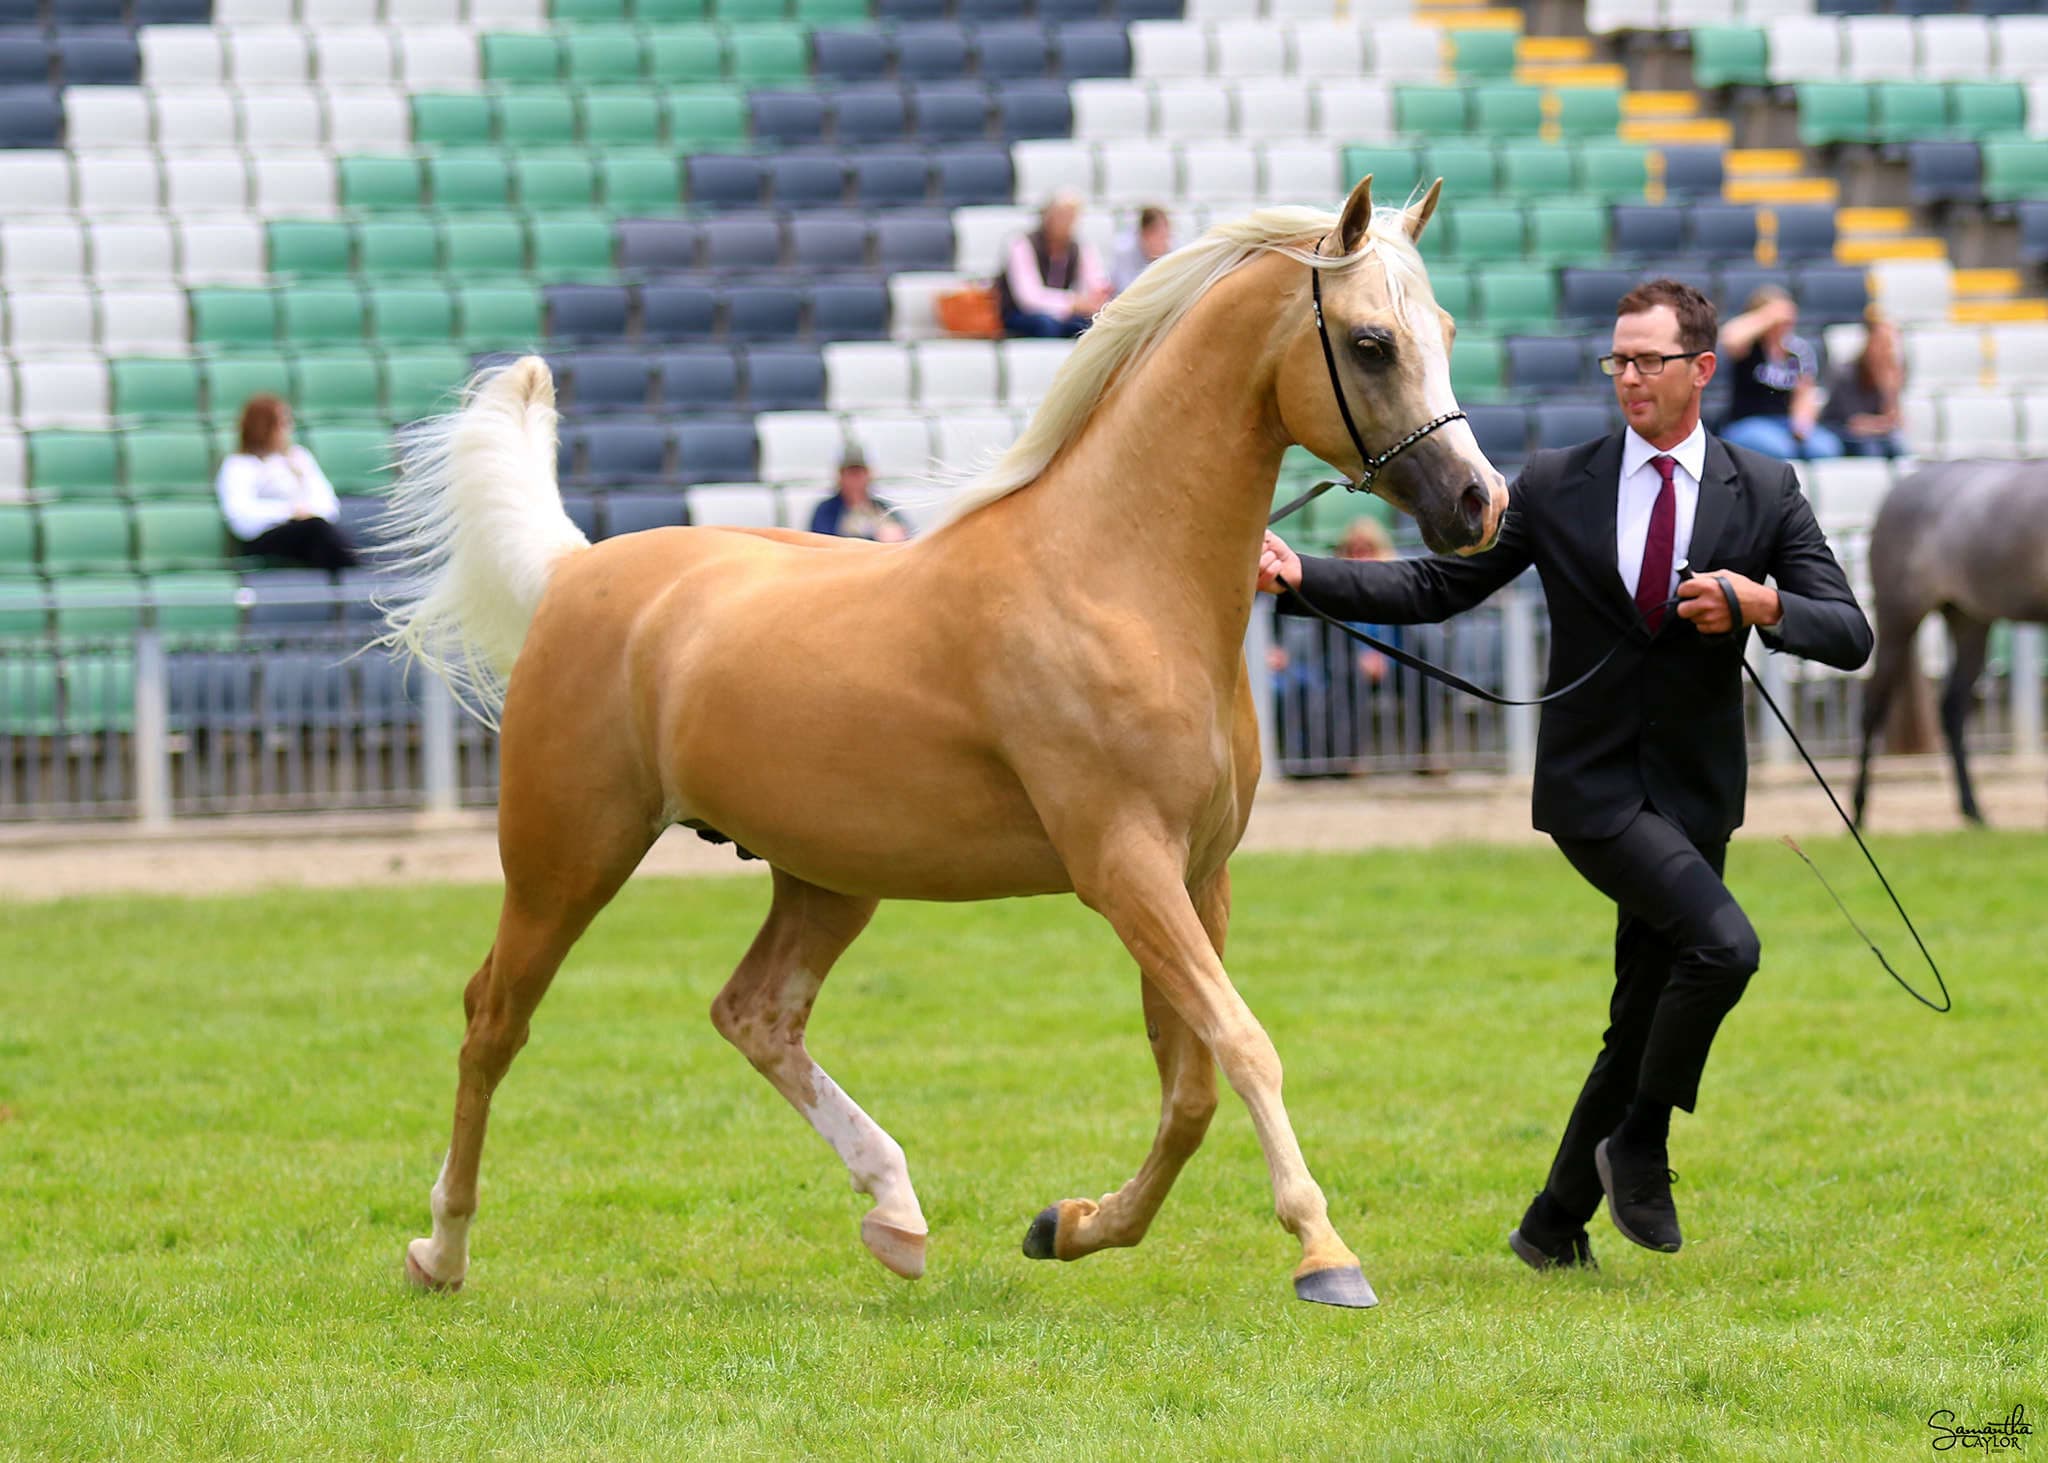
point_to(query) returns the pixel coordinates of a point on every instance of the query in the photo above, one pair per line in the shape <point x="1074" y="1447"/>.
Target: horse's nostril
<point x="1472" y="506"/>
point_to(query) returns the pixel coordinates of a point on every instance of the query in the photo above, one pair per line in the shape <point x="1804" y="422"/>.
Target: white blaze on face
<point x="1426" y="337"/>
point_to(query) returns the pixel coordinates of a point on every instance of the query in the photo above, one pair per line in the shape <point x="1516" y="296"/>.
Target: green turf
<point x="221" y="1120"/>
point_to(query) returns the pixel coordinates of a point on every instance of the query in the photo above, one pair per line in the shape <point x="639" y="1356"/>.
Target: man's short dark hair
<point x="1698" y="324"/>
<point x="1149" y="216"/>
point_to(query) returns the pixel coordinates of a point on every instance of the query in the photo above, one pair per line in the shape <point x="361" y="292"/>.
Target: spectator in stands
<point x="1151" y="238"/>
<point x="1052" y="284"/>
<point x="274" y="496"/>
<point x="1775" y="409"/>
<point x="1327" y="685"/>
<point x="852" y="512"/>
<point x="1863" y="394"/>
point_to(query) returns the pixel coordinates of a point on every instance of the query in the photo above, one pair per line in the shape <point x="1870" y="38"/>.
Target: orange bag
<point x="970" y="310"/>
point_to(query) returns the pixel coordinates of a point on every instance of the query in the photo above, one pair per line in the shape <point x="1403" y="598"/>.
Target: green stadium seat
<point x="1394" y="170"/>
<point x="1615" y="171"/>
<point x="1514" y="295"/>
<point x="554" y="182"/>
<point x="1730" y="55"/>
<point x="568" y="246"/>
<point x="587" y="12"/>
<point x="677" y="12"/>
<point x="195" y="607"/>
<point x="309" y="247"/>
<point x="2015" y="168"/>
<point x="762" y="55"/>
<point x="1985" y="109"/>
<point x="82" y="537"/>
<point x="513" y="58"/>
<point x="730" y="11"/>
<point x="233" y="317"/>
<point x="1530" y="168"/>
<point x="535" y="116"/>
<point x="17" y="541"/>
<point x="1432" y="111"/>
<point x="411" y="314"/>
<point x="1478" y="365"/>
<point x="396" y="247"/>
<point x="706" y="118"/>
<point x="470" y="181"/>
<point x="452" y="119"/>
<point x="73" y="465"/>
<point x="620" y="117"/>
<point x="602" y="55"/>
<point x="419" y="383"/>
<point x="232" y="379"/>
<point x="99" y="688"/>
<point x="1567" y="232"/>
<point x="1834" y="111"/>
<point x="679" y="55"/>
<point x="357" y="460"/>
<point x="379" y="184"/>
<point x="150" y="389"/>
<point x="1452" y="286"/>
<point x="1483" y="231"/>
<point x="321" y="314"/>
<point x="344" y="383"/>
<point x="1481" y="53"/>
<point x="1467" y="169"/>
<point x="484" y="246"/>
<point x="1906" y="110"/>
<point x="642" y="183"/>
<point x="833" y="12"/>
<point x="1503" y="109"/>
<point x="28" y="683"/>
<point x="1588" y="111"/>
<point x="499" y="317"/>
<point x="179" y="536"/>
<point x="168" y="462"/>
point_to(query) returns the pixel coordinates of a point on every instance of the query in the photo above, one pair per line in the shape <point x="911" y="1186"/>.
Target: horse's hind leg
<point x="1891" y="675"/>
<point x="1972" y="640"/>
<point x="1187" y="1100"/>
<point x="561" y="867"/>
<point x="763" y="1011"/>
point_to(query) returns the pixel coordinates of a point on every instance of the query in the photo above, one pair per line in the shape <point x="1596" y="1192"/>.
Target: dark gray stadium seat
<point x="1832" y="292"/>
<point x="1739" y="282"/>
<point x="608" y="382"/>
<point x="850" y="55"/>
<point x="1806" y="231"/>
<point x="764" y="311"/>
<point x="1546" y="364"/>
<point x="1567" y="423"/>
<point x="715" y="451"/>
<point x="954" y="111"/>
<point x="725" y="180"/>
<point x="826" y="241"/>
<point x="31" y="116"/>
<point x="787" y="118"/>
<point x="1502" y="430"/>
<point x="86" y="12"/>
<point x="1590" y="294"/>
<point x="385" y="698"/>
<point x="1693" y="172"/>
<point x="703" y="378"/>
<point x="742" y="242"/>
<point x="289" y="598"/>
<point x="1640" y="229"/>
<point x="2033" y="221"/>
<point x="100" y="56"/>
<point x="1091" y="49"/>
<point x="24" y="58"/>
<point x="1944" y="172"/>
<point x="1724" y="229"/>
<point x="892" y="179"/>
<point x="1011" y="52"/>
<point x="1145" y="9"/>
<point x="850" y="310"/>
<point x="971" y="175"/>
<point x="173" y="12"/>
<point x="305" y="688"/>
<point x="358" y="589"/>
<point x="587" y="311"/>
<point x="933" y="50"/>
<point x="869" y="114"/>
<point x="1062" y="11"/>
<point x="910" y="9"/>
<point x="785" y="378"/>
<point x="913" y="241"/>
<point x="807" y="179"/>
<point x="623" y="452"/>
<point x="362" y="521"/>
<point x="211" y="691"/>
<point x="637" y="512"/>
<point x="678" y="310"/>
<point x="984" y="11"/>
<point x="651" y="245"/>
<point x="1033" y="109"/>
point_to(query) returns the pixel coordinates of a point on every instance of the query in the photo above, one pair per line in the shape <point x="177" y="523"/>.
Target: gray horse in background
<point x="1969" y="539"/>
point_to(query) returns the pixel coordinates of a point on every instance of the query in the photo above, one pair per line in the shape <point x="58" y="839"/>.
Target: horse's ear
<point x="1351" y="228"/>
<point x="1418" y="216"/>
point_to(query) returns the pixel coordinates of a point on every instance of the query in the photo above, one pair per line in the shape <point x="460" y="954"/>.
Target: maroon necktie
<point x="1655" y="579"/>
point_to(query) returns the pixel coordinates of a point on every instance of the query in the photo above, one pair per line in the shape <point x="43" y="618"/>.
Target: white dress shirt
<point x="1640" y="484"/>
<point x="258" y="493"/>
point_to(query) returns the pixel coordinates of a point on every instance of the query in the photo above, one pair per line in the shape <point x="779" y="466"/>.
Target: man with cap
<point x="851" y="511"/>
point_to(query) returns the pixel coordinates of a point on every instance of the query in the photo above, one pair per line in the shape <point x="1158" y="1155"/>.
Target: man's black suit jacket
<point x="1662" y="723"/>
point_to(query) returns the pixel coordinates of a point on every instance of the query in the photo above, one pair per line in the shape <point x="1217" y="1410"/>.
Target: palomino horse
<point x="1046" y="693"/>
<point x="1969" y="539"/>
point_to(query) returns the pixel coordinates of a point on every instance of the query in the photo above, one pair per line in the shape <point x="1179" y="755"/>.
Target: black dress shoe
<point x="1545" y="1252"/>
<point x="1638" y="1189"/>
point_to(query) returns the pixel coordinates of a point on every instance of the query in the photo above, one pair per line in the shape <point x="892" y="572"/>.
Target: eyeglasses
<point x="1647" y="365"/>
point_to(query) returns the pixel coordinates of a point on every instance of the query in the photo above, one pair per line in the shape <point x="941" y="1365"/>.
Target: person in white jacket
<point x="275" y="498"/>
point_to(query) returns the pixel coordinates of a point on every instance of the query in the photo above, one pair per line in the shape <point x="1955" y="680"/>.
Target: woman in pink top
<point x="1052" y="284"/>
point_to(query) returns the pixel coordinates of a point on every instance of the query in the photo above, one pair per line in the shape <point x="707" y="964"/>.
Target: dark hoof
<point x="1343" y="1287"/>
<point x="1038" y="1240"/>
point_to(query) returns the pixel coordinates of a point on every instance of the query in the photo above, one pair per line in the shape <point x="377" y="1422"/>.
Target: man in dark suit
<point x="1641" y="773"/>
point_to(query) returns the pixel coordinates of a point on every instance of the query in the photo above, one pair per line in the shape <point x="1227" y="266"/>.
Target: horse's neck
<point x="1163" y="494"/>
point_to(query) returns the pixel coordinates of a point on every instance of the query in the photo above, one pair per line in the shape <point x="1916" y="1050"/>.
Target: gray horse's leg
<point x="1972" y="638"/>
<point x="1894" y="668"/>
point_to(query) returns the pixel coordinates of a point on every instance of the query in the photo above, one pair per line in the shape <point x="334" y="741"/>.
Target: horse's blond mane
<point x="1131" y="326"/>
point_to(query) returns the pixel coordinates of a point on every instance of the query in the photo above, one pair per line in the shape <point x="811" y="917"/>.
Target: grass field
<point x="221" y="1119"/>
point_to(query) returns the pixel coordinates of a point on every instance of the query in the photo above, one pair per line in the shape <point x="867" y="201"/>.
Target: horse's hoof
<point x="421" y="1279"/>
<point x="1344" y="1286"/>
<point x="898" y="1249"/>
<point x="1038" y="1239"/>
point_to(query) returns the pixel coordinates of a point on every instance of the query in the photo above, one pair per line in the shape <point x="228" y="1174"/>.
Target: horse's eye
<point x="1372" y="347"/>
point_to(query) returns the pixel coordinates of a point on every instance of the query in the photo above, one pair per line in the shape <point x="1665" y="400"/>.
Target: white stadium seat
<point x="1214" y="10"/>
<point x="41" y="249"/>
<point x="1303" y="9"/>
<point x="1354" y="111"/>
<point x="913" y="298"/>
<point x="1272" y="107"/>
<point x="1110" y="107"/>
<point x="982" y="233"/>
<point x="956" y="373"/>
<point x="268" y="55"/>
<point x="1137" y="173"/>
<point x="897" y="445"/>
<point x="797" y="503"/>
<point x="1606" y="17"/>
<point x="1028" y="369"/>
<point x="1950" y="355"/>
<point x="1195" y="107"/>
<point x="13" y="451"/>
<point x="861" y="374"/>
<point x="2021" y="353"/>
<point x="1921" y="426"/>
<point x="354" y="56"/>
<point x="1805" y="48"/>
<point x="1405" y="51"/>
<point x="49" y="319"/>
<point x="1848" y="491"/>
<point x="206" y="182"/>
<point x="2022" y="45"/>
<point x="1978" y="424"/>
<point x="222" y="249"/>
<point x="196" y="117"/>
<point x="294" y="183"/>
<point x="508" y="14"/>
<point x="1877" y="48"/>
<point x="232" y="13"/>
<point x="799" y="445"/>
<point x="733" y="505"/>
<point x="1333" y="49"/>
<point x="144" y="322"/>
<point x="1044" y="166"/>
<point x="287" y="120"/>
<point x="135" y="249"/>
<point x="1249" y="48"/>
<point x="35" y="181"/>
<point x="1686" y="14"/>
<point x="405" y="14"/>
<point x="1220" y="169"/>
<point x="62" y="392"/>
<point x="1168" y="48"/>
<point x="1307" y="172"/>
<point x="443" y="57"/>
<point x="117" y="182"/>
<point x="180" y="55"/>
<point x="1762" y="12"/>
<point x="367" y="119"/>
<point x="1914" y="289"/>
<point x="100" y="117"/>
<point x="969" y="441"/>
<point x="322" y="13"/>
<point x="1955" y="48"/>
<point x="2034" y="423"/>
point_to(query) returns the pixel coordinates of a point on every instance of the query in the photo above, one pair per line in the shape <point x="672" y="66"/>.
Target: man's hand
<point x="1700" y="601"/>
<point x="1280" y="569"/>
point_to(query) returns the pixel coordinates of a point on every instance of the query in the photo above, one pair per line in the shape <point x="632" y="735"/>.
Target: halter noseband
<point x="1373" y="463"/>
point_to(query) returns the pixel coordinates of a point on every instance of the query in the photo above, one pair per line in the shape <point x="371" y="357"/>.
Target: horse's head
<point x="1388" y="349"/>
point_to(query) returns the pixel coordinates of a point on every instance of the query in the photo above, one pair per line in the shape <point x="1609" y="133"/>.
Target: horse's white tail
<point x="476" y="527"/>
